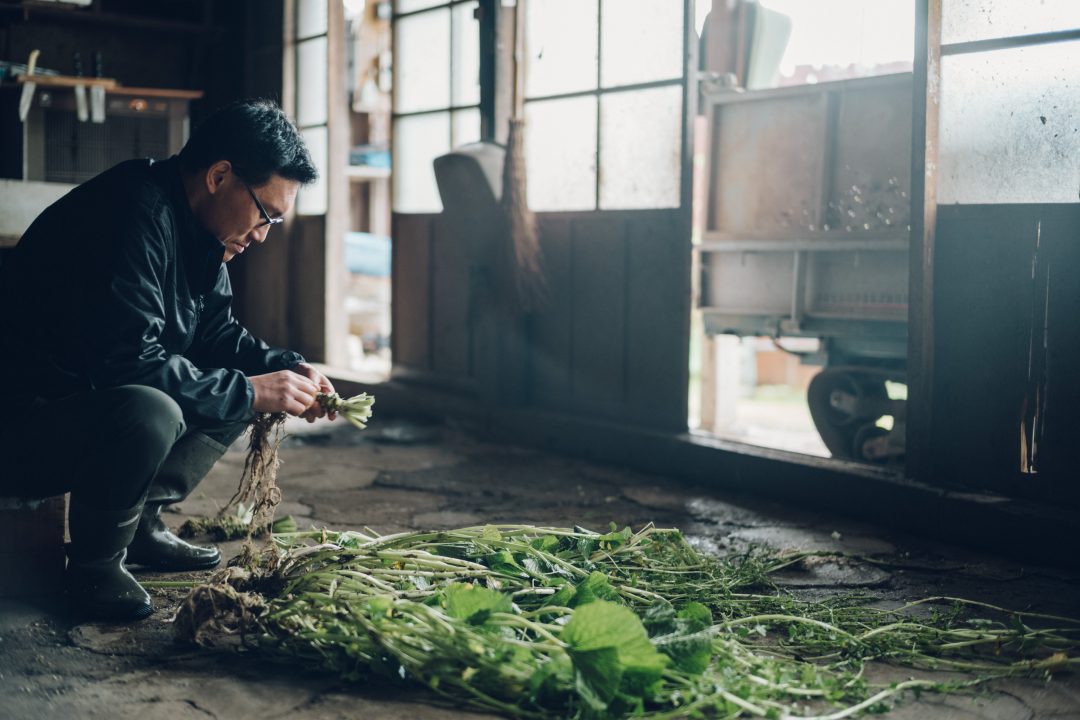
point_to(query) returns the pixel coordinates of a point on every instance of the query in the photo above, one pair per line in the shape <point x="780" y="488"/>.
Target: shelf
<point x="363" y="173"/>
<point x="66" y="81"/>
<point x="111" y="87"/>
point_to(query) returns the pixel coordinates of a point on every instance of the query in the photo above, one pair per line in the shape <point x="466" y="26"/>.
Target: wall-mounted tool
<point x="27" y="96"/>
<point x="97" y="93"/>
<point x="80" y="90"/>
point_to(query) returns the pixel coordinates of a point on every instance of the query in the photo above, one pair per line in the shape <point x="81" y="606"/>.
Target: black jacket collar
<point x="202" y="253"/>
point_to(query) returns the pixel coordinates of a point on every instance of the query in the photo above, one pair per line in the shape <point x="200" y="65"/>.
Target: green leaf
<point x="595" y="587"/>
<point x="683" y="639"/>
<point x="613" y="540"/>
<point x="659" y="618"/>
<point x="547" y="543"/>
<point x="689" y="653"/>
<point x="490" y="533"/>
<point x="473" y="603"/>
<point x="503" y="562"/>
<point x="697" y="617"/>
<point x="562" y="598"/>
<point x="611" y="651"/>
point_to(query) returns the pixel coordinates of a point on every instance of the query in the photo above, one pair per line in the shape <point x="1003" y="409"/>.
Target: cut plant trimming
<point x="541" y="622"/>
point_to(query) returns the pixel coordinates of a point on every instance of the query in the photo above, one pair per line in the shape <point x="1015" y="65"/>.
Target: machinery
<point x="807" y="236"/>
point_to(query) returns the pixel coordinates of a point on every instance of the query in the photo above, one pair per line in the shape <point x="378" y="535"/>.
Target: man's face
<point x="233" y="214"/>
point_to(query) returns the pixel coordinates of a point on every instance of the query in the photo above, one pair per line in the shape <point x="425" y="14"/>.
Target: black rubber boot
<point x="98" y="585"/>
<point x="155" y="546"/>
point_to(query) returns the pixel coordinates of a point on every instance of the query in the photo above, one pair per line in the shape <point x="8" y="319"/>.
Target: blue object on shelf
<point x="370" y="155"/>
<point x="367" y="254"/>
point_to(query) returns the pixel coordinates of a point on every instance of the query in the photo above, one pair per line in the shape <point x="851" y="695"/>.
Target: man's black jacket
<point x="118" y="284"/>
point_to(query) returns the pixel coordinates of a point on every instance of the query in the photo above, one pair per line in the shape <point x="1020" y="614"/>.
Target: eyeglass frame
<point x="267" y="221"/>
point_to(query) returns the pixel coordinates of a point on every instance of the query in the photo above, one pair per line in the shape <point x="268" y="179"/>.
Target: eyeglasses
<point x="267" y="220"/>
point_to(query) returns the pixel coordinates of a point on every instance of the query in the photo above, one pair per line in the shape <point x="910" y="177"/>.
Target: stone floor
<point x="398" y="476"/>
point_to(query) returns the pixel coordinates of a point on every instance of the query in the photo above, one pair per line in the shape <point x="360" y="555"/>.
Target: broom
<point x="524" y="256"/>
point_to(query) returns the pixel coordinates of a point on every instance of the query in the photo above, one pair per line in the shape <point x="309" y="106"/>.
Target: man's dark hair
<point x="256" y="137"/>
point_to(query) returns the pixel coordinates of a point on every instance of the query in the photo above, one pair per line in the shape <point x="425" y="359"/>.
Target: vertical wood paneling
<point x="450" y="332"/>
<point x="1062" y="281"/>
<point x="551" y="340"/>
<point x="411" y="312"/>
<point x="599" y="314"/>
<point x="610" y="342"/>
<point x="658" y="327"/>
<point x="983" y="309"/>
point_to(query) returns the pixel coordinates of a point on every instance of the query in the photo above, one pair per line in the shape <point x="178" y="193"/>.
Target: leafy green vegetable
<point x="474" y="604"/>
<point x="555" y="622"/>
<point x="611" y="650"/>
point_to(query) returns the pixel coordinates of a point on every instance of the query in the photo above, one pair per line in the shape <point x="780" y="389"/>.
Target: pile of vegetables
<point x="539" y="622"/>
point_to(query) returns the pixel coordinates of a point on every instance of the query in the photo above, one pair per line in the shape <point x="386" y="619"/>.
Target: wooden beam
<point x="924" y="142"/>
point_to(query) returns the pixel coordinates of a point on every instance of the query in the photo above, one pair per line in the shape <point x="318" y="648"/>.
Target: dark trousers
<point x="113" y="450"/>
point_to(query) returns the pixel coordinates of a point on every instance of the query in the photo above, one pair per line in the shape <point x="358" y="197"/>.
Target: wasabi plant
<point x="538" y="622"/>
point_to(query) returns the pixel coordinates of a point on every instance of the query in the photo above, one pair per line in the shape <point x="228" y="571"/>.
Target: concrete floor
<point x="333" y="476"/>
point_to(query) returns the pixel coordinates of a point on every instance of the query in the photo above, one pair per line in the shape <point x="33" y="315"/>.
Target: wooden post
<point x="924" y="143"/>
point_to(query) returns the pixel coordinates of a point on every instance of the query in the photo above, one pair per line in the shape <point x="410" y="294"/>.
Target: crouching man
<point x="126" y="375"/>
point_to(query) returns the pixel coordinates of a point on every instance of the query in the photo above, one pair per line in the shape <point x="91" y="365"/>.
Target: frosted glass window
<point x="311" y="18"/>
<point x="1008" y="126"/>
<point x="311" y="199"/>
<point x="642" y="41"/>
<point x="422" y="61"/>
<point x="466" y="127"/>
<point x="466" y="55"/>
<point x="418" y="140"/>
<point x="640" y="134"/>
<point x="561" y="46"/>
<point x="800" y="42"/>
<point x="967" y="20"/>
<point x="311" y="81"/>
<point x="404" y="6"/>
<point x="560" y="152"/>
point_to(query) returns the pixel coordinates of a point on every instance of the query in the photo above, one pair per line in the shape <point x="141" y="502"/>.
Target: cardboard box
<point x="32" y="545"/>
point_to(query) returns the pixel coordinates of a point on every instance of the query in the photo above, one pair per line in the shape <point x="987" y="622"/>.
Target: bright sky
<point x="841" y="32"/>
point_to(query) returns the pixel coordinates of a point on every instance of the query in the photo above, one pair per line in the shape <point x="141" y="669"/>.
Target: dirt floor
<point x="398" y="476"/>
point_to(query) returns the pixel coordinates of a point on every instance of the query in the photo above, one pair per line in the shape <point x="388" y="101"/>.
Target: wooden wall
<point x="1006" y="392"/>
<point x="610" y="343"/>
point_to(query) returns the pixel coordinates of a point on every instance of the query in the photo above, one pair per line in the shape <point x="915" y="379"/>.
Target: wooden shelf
<point x="363" y="173"/>
<point x="66" y="81"/>
<point x="111" y="87"/>
<point x="156" y="92"/>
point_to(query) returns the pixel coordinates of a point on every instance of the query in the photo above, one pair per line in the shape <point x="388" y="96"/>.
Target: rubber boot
<point x="98" y="585"/>
<point x="155" y="546"/>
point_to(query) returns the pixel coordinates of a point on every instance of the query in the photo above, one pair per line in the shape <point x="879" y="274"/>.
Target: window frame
<point x="452" y="108"/>
<point x="599" y="91"/>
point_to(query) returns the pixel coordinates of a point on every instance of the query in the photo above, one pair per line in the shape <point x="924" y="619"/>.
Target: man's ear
<point x="216" y="174"/>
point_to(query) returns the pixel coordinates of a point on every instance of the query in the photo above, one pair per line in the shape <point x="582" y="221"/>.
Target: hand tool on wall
<point x="97" y="93"/>
<point x="27" y="96"/>
<point x="80" y="90"/>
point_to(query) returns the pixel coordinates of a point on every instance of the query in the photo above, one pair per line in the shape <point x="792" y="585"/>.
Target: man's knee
<point x="224" y="434"/>
<point x="147" y="417"/>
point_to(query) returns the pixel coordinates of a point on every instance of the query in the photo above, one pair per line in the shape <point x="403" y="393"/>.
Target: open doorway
<point x="367" y="241"/>
<point x="802" y="215"/>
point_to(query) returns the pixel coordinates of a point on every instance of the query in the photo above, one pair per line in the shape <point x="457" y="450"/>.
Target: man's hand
<point x="284" y="391"/>
<point x="316" y="410"/>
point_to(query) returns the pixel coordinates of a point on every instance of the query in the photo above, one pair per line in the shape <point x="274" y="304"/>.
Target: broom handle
<point x="519" y="58"/>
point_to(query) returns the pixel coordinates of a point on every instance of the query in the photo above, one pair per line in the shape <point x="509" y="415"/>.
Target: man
<point x="126" y="375"/>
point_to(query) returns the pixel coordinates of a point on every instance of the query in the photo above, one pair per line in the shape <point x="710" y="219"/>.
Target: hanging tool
<point x="27" y="97"/>
<point x="97" y="93"/>
<point x="80" y="90"/>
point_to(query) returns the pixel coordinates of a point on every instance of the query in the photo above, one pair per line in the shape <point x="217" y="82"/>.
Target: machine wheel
<point x="845" y="403"/>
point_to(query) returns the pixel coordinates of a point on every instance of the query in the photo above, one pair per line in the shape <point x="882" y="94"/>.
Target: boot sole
<point x="88" y="611"/>
<point x="174" y="567"/>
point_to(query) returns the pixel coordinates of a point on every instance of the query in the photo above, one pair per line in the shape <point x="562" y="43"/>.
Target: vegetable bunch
<point x="541" y="622"/>
<point x="357" y="409"/>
